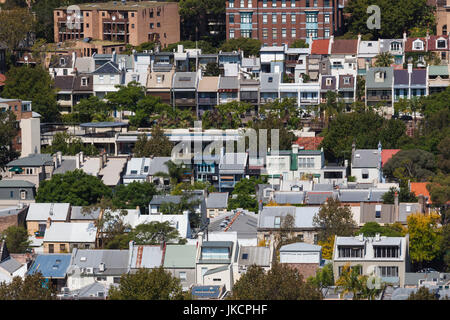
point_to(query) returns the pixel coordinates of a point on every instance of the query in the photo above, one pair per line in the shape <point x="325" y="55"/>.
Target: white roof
<point x="368" y="48"/>
<point x="42" y="211"/>
<point x="71" y="232"/>
<point x="138" y="164"/>
<point x="112" y="170"/>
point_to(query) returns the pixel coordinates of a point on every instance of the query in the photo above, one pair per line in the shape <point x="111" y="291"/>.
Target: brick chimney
<point x="49" y="222"/>
<point x="396" y="206"/>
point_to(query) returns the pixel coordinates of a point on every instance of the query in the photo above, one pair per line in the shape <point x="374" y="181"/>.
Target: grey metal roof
<point x="180" y="256"/>
<point x="77" y="214"/>
<point x="319" y="197"/>
<point x="412" y="278"/>
<point x="386" y="84"/>
<point x="66" y="165"/>
<point x="254" y="255"/>
<point x="158" y="164"/>
<point x="229" y="82"/>
<point x="403" y="211"/>
<point x="103" y="124"/>
<point x="10" y="265"/>
<point x="401" y="77"/>
<point x="402" y="293"/>
<point x="323" y="187"/>
<point x="233" y="161"/>
<point x="116" y="261"/>
<point x="184" y="80"/>
<point x="159" y="199"/>
<point x="245" y="225"/>
<point x="385" y="44"/>
<point x="91" y="290"/>
<point x="303" y="216"/>
<point x="42" y="211"/>
<point x="366" y="158"/>
<point x="217" y="200"/>
<point x="376" y="195"/>
<point x="419" y="77"/>
<point x="146" y="256"/>
<point x="353" y="195"/>
<point x="5" y="183"/>
<point x="33" y="160"/>
<point x="300" y="246"/>
<point x="289" y="197"/>
<point x="108" y="68"/>
<point x="267" y="86"/>
<point x="217" y="244"/>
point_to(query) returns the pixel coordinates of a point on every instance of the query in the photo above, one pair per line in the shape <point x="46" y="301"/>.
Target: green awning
<point x="16" y="169"/>
<point x="316" y="175"/>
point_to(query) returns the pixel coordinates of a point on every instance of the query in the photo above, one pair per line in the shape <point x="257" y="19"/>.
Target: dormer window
<point x="380" y="76"/>
<point x="395" y="46"/>
<point x="270" y="80"/>
<point x="346" y="80"/>
<point x="62" y="61"/>
<point x="84" y="82"/>
<point x="441" y="44"/>
<point x="277" y="222"/>
<point x="418" y="45"/>
<point x="328" y="81"/>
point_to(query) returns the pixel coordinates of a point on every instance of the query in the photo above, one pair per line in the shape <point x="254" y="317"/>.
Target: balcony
<point x="378" y="98"/>
<point x="185" y="102"/>
<point x="313" y="67"/>
<point x="207" y="101"/>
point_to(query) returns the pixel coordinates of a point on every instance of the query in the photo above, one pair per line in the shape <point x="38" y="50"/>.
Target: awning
<point x="16" y="169"/>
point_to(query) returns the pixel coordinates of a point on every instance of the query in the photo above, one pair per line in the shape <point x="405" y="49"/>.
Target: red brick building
<point x="278" y="22"/>
<point x="119" y="21"/>
<point x="22" y="110"/>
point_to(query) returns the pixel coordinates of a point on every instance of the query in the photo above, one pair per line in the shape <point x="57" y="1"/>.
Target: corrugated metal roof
<point x="33" y="160"/>
<point x="146" y="256"/>
<point x="12" y="183"/>
<point x="51" y="265"/>
<point x="300" y="246"/>
<point x="10" y="265"/>
<point x="259" y="256"/>
<point x="216" y="270"/>
<point x="180" y="256"/>
<point x="42" y="211"/>
<point x="71" y="232"/>
<point x="217" y="200"/>
<point x="366" y="158"/>
<point x="116" y="261"/>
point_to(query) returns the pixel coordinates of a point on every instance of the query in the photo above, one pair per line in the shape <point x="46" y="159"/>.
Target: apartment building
<point x="379" y="256"/>
<point x="277" y="22"/>
<point x="127" y="22"/>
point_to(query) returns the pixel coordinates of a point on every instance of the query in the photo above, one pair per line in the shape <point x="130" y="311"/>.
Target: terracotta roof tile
<point x="320" y="46"/>
<point x="344" y="46"/>
<point x="420" y="188"/>
<point x="309" y="143"/>
<point x="386" y="154"/>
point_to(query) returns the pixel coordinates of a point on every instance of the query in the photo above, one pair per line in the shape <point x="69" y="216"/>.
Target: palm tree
<point x="384" y="59"/>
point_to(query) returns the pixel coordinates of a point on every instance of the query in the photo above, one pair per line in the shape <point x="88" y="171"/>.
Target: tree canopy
<point x="36" y="85"/>
<point x="146" y="284"/>
<point x="415" y="165"/>
<point x="134" y="194"/>
<point x="8" y="131"/>
<point x="31" y="288"/>
<point x="75" y="187"/>
<point x="280" y="283"/>
<point x="16" y="239"/>
<point x="158" y="145"/>
<point x="250" y="46"/>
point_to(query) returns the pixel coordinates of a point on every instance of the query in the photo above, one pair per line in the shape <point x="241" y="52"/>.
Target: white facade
<point x="7" y="277"/>
<point x="31" y="135"/>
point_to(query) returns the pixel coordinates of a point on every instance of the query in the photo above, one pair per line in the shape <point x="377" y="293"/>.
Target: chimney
<point x="361" y="237"/>
<point x="49" y="222"/>
<point x="200" y="239"/>
<point x="353" y="148"/>
<point x="55" y="161"/>
<point x="410" y="67"/>
<point x="100" y="160"/>
<point x="130" y="253"/>
<point x="59" y="158"/>
<point x="74" y="56"/>
<point x="377" y="237"/>
<point x="396" y="207"/>
<point x="404" y="37"/>
<point x="77" y="161"/>
<point x="101" y="267"/>
<point x="295" y="148"/>
<point x="81" y="156"/>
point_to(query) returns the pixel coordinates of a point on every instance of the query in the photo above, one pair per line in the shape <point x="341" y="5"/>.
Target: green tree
<point x="158" y="145"/>
<point x="212" y="69"/>
<point x="20" y="24"/>
<point x="36" y="85"/>
<point x="299" y="43"/>
<point x="403" y="195"/>
<point x="16" y="239"/>
<point x="145" y="284"/>
<point x="351" y="281"/>
<point x="424" y="238"/>
<point x="75" y="187"/>
<point x="280" y="283"/>
<point x="134" y="194"/>
<point x="245" y="192"/>
<point x="69" y="145"/>
<point x="8" y="131"/>
<point x="154" y="233"/>
<point x="127" y="97"/>
<point x="92" y="109"/>
<point x="370" y="229"/>
<point x="423" y="293"/>
<point x="250" y="46"/>
<point x="334" y="219"/>
<point x="384" y="59"/>
<point x="31" y="288"/>
<point x="415" y="164"/>
<point x="324" y="277"/>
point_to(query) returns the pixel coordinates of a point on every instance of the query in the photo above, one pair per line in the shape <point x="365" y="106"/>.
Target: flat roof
<point x="103" y="124"/>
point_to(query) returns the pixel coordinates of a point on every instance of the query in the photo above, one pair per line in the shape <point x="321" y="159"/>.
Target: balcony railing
<point x="207" y="101"/>
<point x="185" y="101"/>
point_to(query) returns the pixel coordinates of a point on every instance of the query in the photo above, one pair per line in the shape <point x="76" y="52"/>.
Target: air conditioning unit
<point x="90" y="270"/>
<point x="65" y="290"/>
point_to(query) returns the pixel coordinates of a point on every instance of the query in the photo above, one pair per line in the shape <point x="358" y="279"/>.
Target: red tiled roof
<point x="320" y="46"/>
<point x="420" y="188"/>
<point x="386" y="154"/>
<point x="344" y="46"/>
<point x="309" y="143"/>
<point x="432" y="43"/>
<point x="2" y="79"/>
<point x="409" y="42"/>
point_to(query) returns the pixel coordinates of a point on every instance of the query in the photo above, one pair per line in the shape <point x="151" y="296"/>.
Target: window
<point x="300" y="237"/>
<point x="270" y="80"/>
<point x="87" y="245"/>
<point x="246" y="17"/>
<point x="365" y="176"/>
<point x="293" y="18"/>
<point x="84" y="81"/>
<point x="264" y="3"/>
<point x="274" y="3"/>
<point x="326" y="3"/>
<point x="51" y="248"/>
<point x="116" y="279"/>
<point x="311" y="33"/>
<point x="158" y="25"/>
<point x="101" y="78"/>
<point x="245" y="256"/>
<point x="388" y="271"/>
<point x="132" y="26"/>
<point x="158" y="13"/>
<point x="103" y="14"/>
<point x="441" y="44"/>
<point x="23" y="194"/>
<point x="311" y="17"/>
<point x="151" y="25"/>
<point x="418" y="45"/>
<point x="395" y="46"/>
<point x="11" y="194"/>
<point x="327" y="33"/>
<point x="132" y="14"/>
<point x="326" y="18"/>
<point x="350" y="252"/>
<point x="378" y="211"/>
<point x="231" y="18"/>
<point x="111" y="77"/>
<point x="341" y="268"/>
<point x="283" y="18"/>
<point x="246" y="33"/>
<point x="274" y="33"/>
<point x="249" y="4"/>
<point x="283" y="3"/>
<point x="316" y="239"/>
<point x="293" y="33"/>
<point x="274" y="17"/>
<point x="346" y="80"/>
<point x="264" y="18"/>
<point x="102" y="278"/>
<point x="265" y="33"/>
<point x="386" y="251"/>
<point x="231" y="33"/>
<point x="204" y="269"/>
<point x="283" y="32"/>
<point x="277" y="222"/>
<point x="328" y="81"/>
<point x="292" y="3"/>
<point x="182" y="275"/>
<point x="29" y="170"/>
<point x="307" y="4"/>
